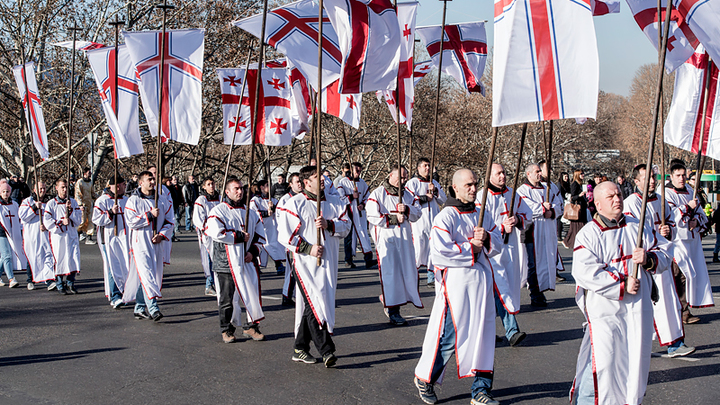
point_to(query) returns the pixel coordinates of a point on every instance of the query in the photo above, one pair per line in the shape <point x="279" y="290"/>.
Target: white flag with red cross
<point x="545" y="61"/>
<point x="703" y="19"/>
<point x="79" y="45"/>
<point x="278" y="120"/>
<point x="684" y="121"/>
<point x="124" y="126"/>
<point x="602" y="7"/>
<point x="33" y="111"/>
<point x="421" y="70"/>
<point x="301" y="96"/>
<point x="293" y="30"/>
<point x="344" y="106"/>
<point x="464" y="52"/>
<point x="370" y="41"/>
<point x="180" y="87"/>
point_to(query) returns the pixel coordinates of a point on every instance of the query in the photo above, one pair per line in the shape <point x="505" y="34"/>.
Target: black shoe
<point x="141" y="315"/>
<point x="71" y="290"/>
<point x="287" y="302"/>
<point x="715" y="258"/>
<point x="303" y="357"/>
<point x="61" y="289"/>
<point x="538" y="303"/>
<point x="483" y="399"/>
<point x="517" y="338"/>
<point x="427" y="391"/>
<point x="371" y="264"/>
<point x="559" y="278"/>
<point x="175" y="239"/>
<point x="351" y="264"/>
<point x="498" y="339"/>
<point x="329" y="360"/>
<point x="157" y="316"/>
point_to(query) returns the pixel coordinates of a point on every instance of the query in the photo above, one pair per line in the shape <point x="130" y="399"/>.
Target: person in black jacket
<point x="280" y="188"/>
<point x="716" y="222"/>
<point x="577" y="196"/>
<point x="190" y="193"/>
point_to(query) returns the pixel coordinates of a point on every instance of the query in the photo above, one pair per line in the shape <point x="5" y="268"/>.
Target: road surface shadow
<point x="45" y="358"/>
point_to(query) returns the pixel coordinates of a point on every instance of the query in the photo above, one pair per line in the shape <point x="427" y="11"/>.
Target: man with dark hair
<point x="344" y="173"/>
<point x="62" y="216"/>
<point x="164" y="193"/>
<point x="235" y="247"/>
<point x="280" y="188"/>
<point x="190" y="193"/>
<point x="178" y="204"/>
<point x="701" y="195"/>
<point x="208" y="199"/>
<point x="296" y="187"/>
<point x="20" y="189"/>
<point x="84" y="196"/>
<point x="354" y="193"/>
<point x="150" y="226"/>
<point x="316" y="265"/>
<point x="625" y="187"/>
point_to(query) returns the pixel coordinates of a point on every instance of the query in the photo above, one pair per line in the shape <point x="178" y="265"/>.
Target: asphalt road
<point x="77" y="350"/>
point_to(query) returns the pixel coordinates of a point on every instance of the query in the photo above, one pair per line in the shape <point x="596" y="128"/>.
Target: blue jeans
<point x="508" y="319"/>
<point x="141" y="302"/>
<point x="70" y="280"/>
<point x="585" y="388"/>
<point x="674" y="346"/>
<point x="446" y="348"/>
<point x="115" y="293"/>
<point x="188" y="217"/>
<point x="717" y="244"/>
<point x="532" y="280"/>
<point x="430" y="275"/>
<point x="178" y="217"/>
<point x="6" y="258"/>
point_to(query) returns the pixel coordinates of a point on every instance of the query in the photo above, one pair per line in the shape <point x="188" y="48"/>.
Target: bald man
<point x="614" y="359"/>
<point x="463" y="314"/>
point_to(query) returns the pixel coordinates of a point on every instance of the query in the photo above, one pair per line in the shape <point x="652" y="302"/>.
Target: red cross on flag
<point x="344" y="106"/>
<point x="545" y="61"/>
<point x="702" y="16"/>
<point x="464" y="52"/>
<point x="181" y="90"/>
<point x="79" y="45"/>
<point x="125" y="127"/>
<point x="33" y="114"/>
<point x="293" y="30"/>
<point x="369" y="37"/>
<point x="421" y="70"/>
<point x="278" y="118"/>
<point x="684" y="120"/>
<point x="681" y="40"/>
<point x="301" y="96"/>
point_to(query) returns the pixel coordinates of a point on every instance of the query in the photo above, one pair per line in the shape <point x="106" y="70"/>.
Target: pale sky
<point x="622" y="46"/>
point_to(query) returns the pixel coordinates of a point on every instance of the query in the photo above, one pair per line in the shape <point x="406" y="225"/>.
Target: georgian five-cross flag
<point x="684" y="120"/>
<point x="464" y="52"/>
<point x="703" y="19"/>
<point x="545" y="64"/>
<point x="370" y="42"/>
<point x="181" y="89"/>
<point x="344" y="106"/>
<point x="293" y="30"/>
<point x="124" y="128"/>
<point x="33" y="113"/>
<point x="421" y="70"/>
<point x="406" y="87"/>
<point x="278" y="119"/>
<point x="681" y="40"/>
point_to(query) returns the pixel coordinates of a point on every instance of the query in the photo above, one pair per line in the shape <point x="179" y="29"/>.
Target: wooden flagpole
<point x="312" y="126"/>
<point x="318" y="104"/>
<point x="516" y="180"/>
<point x="401" y="186"/>
<point x="437" y="92"/>
<point x="661" y="129"/>
<point x="653" y="132"/>
<point x="117" y="23"/>
<point x="237" y="119"/>
<point x="74" y="30"/>
<point x="488" y="171"/>
<point x="700" y="157"/>
<point x="28" y="117"/>
<point x="548" y="162"/>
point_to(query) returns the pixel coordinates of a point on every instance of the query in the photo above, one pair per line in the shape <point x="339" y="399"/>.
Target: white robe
<point x="36" y="242"/>
<point x="288" y="254"/>
<point x="115" y="250"/>
<point x="346" y="188"/>
<point x="464" y="281"/>
<point x="667" y="312"/>
<point x="618" y="336"/>
<point x="271" y="247"/>
<point x="421" y="228"/>
<point x="544" y="234"/>
<point x="64" y="241"/>
<point x="146" y="258"/>
<point x="168" y="243"/>
<point x="688" y="250"/>
<point x="10" y="221"/>
<point x="507" y="266"/>
<point x="297" y="223"/>
<point x="202" y="208"/>
<point x="395" y="252"/>
<point x="222" y="224"/>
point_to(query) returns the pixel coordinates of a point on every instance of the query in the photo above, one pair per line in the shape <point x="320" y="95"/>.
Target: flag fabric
<point x="79" y="45"/>
<point x="125" y="126"/>
<point x="277" y="63"/>
<point x="684" y="120"/>
<point x="370" y="43"/>
<point x="344" y="106"/>
<point x="681" y="39"/>
<point x="293" y="30"/>
<point x="421" y="70"/>
<point x="545" y="63"/>
<point x="278" y="120"/>
<point x="464" y="52"/>
<point x="701" y="17"/>
<point x="602" y="7"/>
<point x="181" y="90"/>
<point x="302" y="97"/>
<point x="33" y="112"/>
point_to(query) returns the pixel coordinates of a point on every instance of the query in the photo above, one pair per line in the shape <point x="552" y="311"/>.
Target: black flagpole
<point x="117" y="25"/>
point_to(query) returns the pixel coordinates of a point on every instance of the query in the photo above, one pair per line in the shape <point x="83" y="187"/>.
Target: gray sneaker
<point x="682" y="351"/>
<point x="51" y="286"/>
<point x="483" y="399"/>
<point x="426" y="390"/>
<point x="303" y="356"/>
<point x="210" y="292"/>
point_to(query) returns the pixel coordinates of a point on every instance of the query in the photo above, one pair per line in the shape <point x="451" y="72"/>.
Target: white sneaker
<point x="116" y="304"/>
<point x="52" y="286"/>
<point x="13" y="283"/>
<point x="30" y="286"/>
<point x="89" y="241"/>
<point x="2" y="283"/>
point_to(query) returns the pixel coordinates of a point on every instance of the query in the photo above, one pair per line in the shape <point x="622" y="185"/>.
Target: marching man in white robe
<point x="392" y="233"/>
<point x="149" y="227"/>
<point x="62" y="217"/>
<point x="317" y="283"/>
<point x="235" y="247"/>
<point x="12" y="256"/>
<point x="540" y="256"/>
<point x="614" y="359"/>
<point x="264" y="206"/>
<point x="692" y="281"/>
<point x="296" y="187"/>
<point x="36" y="238"/>
<point x="667" y="311"/>
<point x="430" y="196"/>
<point x="208" y="199"/>
<point x="507" y="265"/>
<point x="165" y="193"/>
<point x="354" y="193"/>
<point x="463" y="314"/>
<point x="114" y="245"/>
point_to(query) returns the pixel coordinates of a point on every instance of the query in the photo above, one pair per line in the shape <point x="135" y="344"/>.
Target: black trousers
<point x="309" y="330"/>
<point x="226" y="292"/>
<point x="680" y="283"/>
